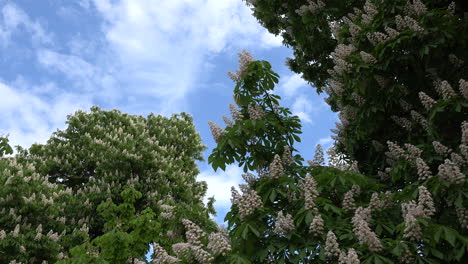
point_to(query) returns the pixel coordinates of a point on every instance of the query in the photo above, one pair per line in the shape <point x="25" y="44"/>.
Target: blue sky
<point x="140" y="56"/>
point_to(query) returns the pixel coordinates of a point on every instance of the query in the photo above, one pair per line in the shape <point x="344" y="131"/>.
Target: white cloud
<point x="13" y="18"/>
<point x="302" y="107"/>
<point x="69" y="65"/>
<point x="82" y="75"/>
<point x="291" y="84"/>
<point x="270" y="40"/>
<point x="220" y="183"/>
<point x="325" y="141"/>
<point x="161" y="48"/>
<point x="29" y="118"/>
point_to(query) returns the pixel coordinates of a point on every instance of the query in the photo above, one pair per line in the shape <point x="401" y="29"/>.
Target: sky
<point x="141" y="56"/>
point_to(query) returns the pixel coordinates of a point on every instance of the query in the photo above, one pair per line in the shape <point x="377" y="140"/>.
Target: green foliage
<point x="5" y="147"/>
<point x="252" y="141"/>
<point x="32" y="227"/>
<point x="127" y="236"/>
<point x="112" y="182"/>
<point x="394" y="220"/>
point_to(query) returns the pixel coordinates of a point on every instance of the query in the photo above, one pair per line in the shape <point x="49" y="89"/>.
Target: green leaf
<point x="450" y="235"/>
<point x="255" y="231"/>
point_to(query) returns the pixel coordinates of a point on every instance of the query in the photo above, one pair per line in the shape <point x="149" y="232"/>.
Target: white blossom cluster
<point x="286" y="157"/>
<point x="167" y="212"/>
<point x="462" y="214"/>
<point x="247" y="202"/>
<point x="228" y="121"/>
<point x="370" y="11"/>
<point x="395" y="152"/>
<point x="188" y="250"/>
<point x="319" y="159"/>
<point x="441" y="149"/>
<point x="216" y="131"/>
<point x="368" y="58"/>
<point x="416" y="8"/>
<point x="360" y="101"/>
<point x="350" y="258"/>
<point x="310" y="192"/>
<point x="332" y="248"/>
<point x="348" y="200"/>
<point x="450" y="172"/>
<point x="193" y="232"/>
<point x="311" y="7"/>
<point x="24" y="194"/>
<point x="283" y="223"/>
<point x="339" y="56"/>
<point x="426" y="100"/>
<point x="444" y="89"/>
<point x="219" y="243"/>
<point x="464" y="128"/>
<point x="424" y="172"/>
<point x="391" y="33"/>
<point x="235" y="113"/>
<point x="256" y="112"/>
<point x="463" y="87"/>
<point x="377" y="37"/>
<point x="316" y="227"/>
<point x="378" y="203"/>
<point x="420" y="119"/>
<point x="248" y="177"/>
<point x="408" y="22"/>
<point x="337" y="160"/>
<point x="362" y="230"/>
<point x="412" y="210"/>
<point x="276" y="167"/>
<point x="244" y="60"/>
<point x="160" y="256"/>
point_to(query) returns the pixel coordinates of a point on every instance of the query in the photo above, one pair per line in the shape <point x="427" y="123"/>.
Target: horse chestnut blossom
<point x="160" y="255"/>
<point x="348" y="200"/>
<point x="256" y="112"/>
<point x="319" y="159"/>
<point x="247" y="202"/>
<point x="235" y="113"/>
<point x="424" y="171"/>
<point x="363" y="232"/>
<point x="310" y="192"/>
<point x="219" y="243"/>
<point x="216" y="131"/>
<point x="276" y="168"/>
<point x="332" y="248"/>
<point x="193" y="232"/>
<point x="245" y="58"/>
<point x="426" y="100"/>
<point x="463" y="87"/>
<point x="287" y="158"/>
<point x="316" y="227"/>
<point x="444" y="89"/>
<point x="350" y="258"/>
<point x="411" y="210"/>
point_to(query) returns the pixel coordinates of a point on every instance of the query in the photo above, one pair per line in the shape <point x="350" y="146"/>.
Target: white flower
<point x="283" y="224"/>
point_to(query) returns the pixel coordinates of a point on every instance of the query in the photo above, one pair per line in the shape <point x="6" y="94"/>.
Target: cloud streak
<point x="160" y="49"/>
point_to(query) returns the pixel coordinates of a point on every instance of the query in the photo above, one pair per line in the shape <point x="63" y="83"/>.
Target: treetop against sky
<point x="61" y="56"/>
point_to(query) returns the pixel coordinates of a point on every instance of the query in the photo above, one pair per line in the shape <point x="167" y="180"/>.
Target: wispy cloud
<point x="161" y="49"/>
<point x="325" y="141"/>
<point x="13" y="19"/>
<point x="290" y="85"/>
<point x="29" y="118"/>
<point x="302" y="107"/>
